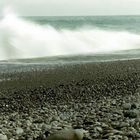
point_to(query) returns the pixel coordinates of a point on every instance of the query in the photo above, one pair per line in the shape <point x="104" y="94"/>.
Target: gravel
<point x="101" y="98"/>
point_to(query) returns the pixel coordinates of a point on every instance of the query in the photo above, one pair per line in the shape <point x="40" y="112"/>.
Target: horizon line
<point x="76" y="15"/>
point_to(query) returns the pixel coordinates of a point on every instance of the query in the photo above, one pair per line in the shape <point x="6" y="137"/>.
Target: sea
<point x="68" y="39"/>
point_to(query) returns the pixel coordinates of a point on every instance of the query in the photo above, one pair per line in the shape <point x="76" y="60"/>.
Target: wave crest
<point x="23" y="39"/>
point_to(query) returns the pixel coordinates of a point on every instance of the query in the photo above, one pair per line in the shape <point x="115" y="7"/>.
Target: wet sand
<point x="75" y="95"/>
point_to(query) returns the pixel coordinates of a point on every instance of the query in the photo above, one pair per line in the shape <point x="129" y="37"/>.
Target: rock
<point x="46" y="133"/>
<point x="54" y="123"/>
<point x="113" y="102"/>
<point x="3" y="137"/>
<point x="69" y="134"/>
<point x="99" y="129"/>
<point x="55" y="118"/>
<point x="38" y="120"/>
<point x="127" y="106"/>
<point x="85" y="138"/>
<point x="46" y="127"/>
<point x="41" y="137"/>
<point x="104" y="125"/>
<point x="125" y="138"/>
<point x="88" y="123"/>
<point x="137" y="120"/>
<point x="108" y="135"/>
<point x="28" y="123"/>
<point x="114" y="131"/>
<point x="56" y="128"/>
<point x="19" y="131"/>
<point x="117" y="137"/>
<point x="134" y="106"/>
<point x="30" y="139"/>
<point x="129" y="134"/>
<point x="122" y="124"/>
<point x="131" y="113"/>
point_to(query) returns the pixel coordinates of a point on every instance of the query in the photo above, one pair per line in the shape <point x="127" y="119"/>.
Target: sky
<point x="72" y="7"/>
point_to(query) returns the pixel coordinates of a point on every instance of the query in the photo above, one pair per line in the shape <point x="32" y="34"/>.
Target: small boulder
<point x="126" y="106"/>
<point x="69" y="134"/>
<point x="3" y="137"/>
<point x="131" y="113"/>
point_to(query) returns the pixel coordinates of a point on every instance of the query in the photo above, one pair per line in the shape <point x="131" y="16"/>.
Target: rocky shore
<point x="101" y="98"/>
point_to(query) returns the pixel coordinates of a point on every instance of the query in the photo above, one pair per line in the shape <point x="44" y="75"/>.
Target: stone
<point x="106" y="136"/>
<point x="104" y="125"/>
<point x="127" y="106"/>
<point x="3" y="137"/>
<point x="19" y="131"/>
<point x="113" y="102"/>
<point x="88" y="123"/>
<point x="123" y="124"/>
<point x="131" y="113"/>
<point x="69" y="134"/>
<point x="117" y="137"/>
<point x="125" y="138"/>
<point x="28" y="123"/>
<point x="99" y="129"/>
<point x="134" y="106"/>
<point x="46" y="127"/>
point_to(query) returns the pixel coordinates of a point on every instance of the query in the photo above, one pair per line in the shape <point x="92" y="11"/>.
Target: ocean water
<point x="69" y="39"/>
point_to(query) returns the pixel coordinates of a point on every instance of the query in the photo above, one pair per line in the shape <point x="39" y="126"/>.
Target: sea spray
<point x="20" y="38"/>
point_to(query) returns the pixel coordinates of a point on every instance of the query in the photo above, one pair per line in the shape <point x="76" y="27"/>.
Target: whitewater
<point x="21" y="38"/>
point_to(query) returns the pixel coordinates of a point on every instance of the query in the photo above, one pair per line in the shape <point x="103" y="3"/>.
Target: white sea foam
<point x="23" y="39"/>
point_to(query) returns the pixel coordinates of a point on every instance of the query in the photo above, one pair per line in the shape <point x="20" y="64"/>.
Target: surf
<point x="20" y="39"/>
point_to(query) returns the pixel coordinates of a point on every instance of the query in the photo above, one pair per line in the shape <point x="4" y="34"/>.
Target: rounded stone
<point x="69" y="134"/>
<point x="134" y="105"/>
<point x="127" y="106"/>
<point x="131" y="113"/>
<point x="19" y="131"/>
<point x="3" y="137"/>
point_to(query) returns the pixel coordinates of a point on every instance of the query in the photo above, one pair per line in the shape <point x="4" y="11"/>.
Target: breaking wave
<point x="20" y="38"/>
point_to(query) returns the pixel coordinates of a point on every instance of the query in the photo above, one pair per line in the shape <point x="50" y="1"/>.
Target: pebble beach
<point x="102" y="98"/>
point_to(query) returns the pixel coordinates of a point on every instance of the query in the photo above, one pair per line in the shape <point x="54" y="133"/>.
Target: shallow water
<point x="24" y="65"/>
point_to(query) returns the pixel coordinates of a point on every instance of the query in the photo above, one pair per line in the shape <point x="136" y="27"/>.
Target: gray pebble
<point x="67" y="135"/>
<point x="19" y="131"/>
<point x="127" y="106"/>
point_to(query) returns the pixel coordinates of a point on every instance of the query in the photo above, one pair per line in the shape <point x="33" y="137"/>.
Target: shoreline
<point x="101" y="98"/>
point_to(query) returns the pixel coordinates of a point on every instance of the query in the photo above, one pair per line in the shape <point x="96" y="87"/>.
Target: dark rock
<point x="134" y="106"/>
<point x="88" y="123"/>
<point x="131" y="113"/>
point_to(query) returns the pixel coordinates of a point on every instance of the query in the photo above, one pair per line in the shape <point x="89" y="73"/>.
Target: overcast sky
<point x="73" y="7"/>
